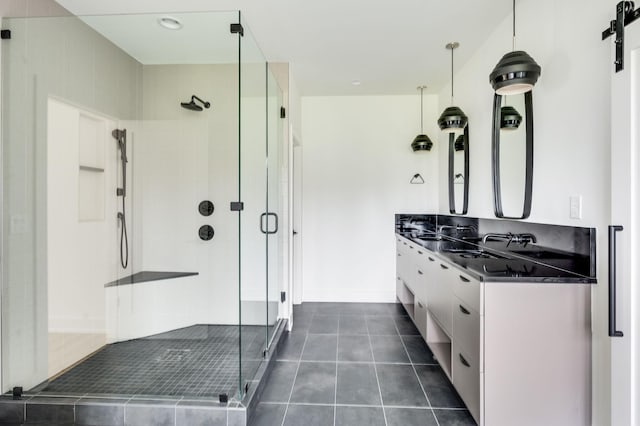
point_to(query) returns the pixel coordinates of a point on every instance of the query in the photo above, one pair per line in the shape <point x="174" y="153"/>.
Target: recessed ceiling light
<point x="170" y="23"/>
<point x="356" y="82"/>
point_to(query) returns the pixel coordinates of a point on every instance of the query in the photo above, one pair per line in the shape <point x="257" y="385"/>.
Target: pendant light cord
<point x="452" y="75"/>
<point x="513" y="47"/>
<point x="421" y="113"/>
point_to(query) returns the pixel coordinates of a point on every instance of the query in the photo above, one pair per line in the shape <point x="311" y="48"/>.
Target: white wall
<point x="571" y="128"/>
<point x="357" y="164"/>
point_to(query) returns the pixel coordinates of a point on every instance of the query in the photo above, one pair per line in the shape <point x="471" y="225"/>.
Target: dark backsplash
<point x="577" y="240"/>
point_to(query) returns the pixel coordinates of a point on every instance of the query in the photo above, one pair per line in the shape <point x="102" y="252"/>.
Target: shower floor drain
<point x="173" y="355"/>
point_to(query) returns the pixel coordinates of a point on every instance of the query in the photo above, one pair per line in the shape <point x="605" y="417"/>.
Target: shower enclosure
<point x="142" y="239"/>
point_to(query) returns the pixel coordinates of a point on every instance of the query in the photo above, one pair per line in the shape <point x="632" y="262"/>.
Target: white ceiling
<point x="389" y="46"/>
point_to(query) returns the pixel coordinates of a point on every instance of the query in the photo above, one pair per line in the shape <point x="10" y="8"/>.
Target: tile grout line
<point x="295" y="377"/>
<point x="408" y="407"/>
<point x="375" y="369"/>
<point x="416" y="373"/>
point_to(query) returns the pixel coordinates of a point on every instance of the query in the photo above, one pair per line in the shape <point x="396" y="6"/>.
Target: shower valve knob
<point x="206" y="232"/>
<point x="206" y="208"/>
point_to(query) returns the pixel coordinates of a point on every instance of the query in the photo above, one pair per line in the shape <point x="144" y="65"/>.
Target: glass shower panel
<point x="63" y="85"/>
<point x="253" y="193"/>
<point x="275" y="200"/>
<point x="84" y="100"/>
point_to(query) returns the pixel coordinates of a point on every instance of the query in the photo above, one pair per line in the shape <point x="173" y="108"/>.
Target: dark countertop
<point x="145" y="276"/>
<point x="507" y="264"/>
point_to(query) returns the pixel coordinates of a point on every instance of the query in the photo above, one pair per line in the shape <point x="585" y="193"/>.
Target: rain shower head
<point x="193" y="106"/>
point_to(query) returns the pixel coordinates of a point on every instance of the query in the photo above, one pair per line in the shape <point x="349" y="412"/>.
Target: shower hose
<point x="124" y="241"/>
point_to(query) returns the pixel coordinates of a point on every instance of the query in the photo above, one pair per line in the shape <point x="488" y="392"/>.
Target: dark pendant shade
<point x="421" y="143"/>
<point x="458" y="145"/>
<point x="452" y="119"/>
<point x="510" y="118"/>
<point x="516" y="73"/>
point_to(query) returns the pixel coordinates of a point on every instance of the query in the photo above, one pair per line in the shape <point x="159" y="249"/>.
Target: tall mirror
<point x="512" y="155"/>
<point x="459" y="172"/>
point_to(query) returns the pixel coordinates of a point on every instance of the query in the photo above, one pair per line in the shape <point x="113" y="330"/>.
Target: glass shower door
<point x="275" y="201"/>
<point x="253" y="218"/>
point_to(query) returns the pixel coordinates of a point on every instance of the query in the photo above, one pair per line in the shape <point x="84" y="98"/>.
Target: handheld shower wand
<point x="121" y="136"/>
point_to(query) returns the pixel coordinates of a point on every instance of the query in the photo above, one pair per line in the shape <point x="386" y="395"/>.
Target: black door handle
<point x="262" y="225"/>
<point x="612" y="281"/>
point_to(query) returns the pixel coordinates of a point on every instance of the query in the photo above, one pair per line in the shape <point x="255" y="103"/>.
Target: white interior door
<point x="297" y="223"/>
<point x="625" y="136"/>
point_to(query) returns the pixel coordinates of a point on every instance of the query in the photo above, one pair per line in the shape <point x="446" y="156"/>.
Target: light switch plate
<point x="575" y="202"/>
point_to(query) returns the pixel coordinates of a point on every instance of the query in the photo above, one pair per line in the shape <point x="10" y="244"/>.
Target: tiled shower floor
<point x="196" y="361"/>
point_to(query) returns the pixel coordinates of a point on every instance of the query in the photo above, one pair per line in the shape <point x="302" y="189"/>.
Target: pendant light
<point x="458" y="145"/>
<point x="452" y="120"/>
<point x="516" y="72"/>
<point x="422" y="141"/>
<point x="510" y="118"/>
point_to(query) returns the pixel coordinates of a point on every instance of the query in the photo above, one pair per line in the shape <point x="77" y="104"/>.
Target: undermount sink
<point x="473" y="253"/>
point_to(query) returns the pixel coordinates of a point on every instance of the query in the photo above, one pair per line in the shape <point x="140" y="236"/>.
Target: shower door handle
<point x="262" y="221"/>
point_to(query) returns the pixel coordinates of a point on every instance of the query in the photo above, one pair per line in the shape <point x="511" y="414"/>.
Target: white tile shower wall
<point x="357" y="164"/>
<point x="182" y="158"/>
<point x="80" y="67"/>
<point x="568" y="159"/>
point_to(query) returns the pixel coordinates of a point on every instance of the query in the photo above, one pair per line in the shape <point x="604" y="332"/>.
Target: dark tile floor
<point x="357" y="364"/>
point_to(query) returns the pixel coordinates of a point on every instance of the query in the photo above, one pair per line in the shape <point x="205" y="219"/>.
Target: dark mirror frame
<point x="495" y="157"/>
<point x="452" y="151"/>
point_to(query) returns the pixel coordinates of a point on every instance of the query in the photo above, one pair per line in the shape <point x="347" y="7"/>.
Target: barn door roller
<point x="625" y="14"/>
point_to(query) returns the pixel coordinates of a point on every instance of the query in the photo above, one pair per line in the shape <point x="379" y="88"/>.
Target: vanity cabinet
<point x="516" y="352"/>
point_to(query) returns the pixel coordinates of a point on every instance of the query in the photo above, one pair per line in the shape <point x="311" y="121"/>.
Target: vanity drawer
<point x="465" y="373"/>
<point x="468" y="290"/>
<point x="466" y="328"/>
<point x="421" y="318"/>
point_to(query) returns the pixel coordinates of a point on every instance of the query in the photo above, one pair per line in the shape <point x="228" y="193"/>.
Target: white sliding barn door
<point x="625" y="193"/>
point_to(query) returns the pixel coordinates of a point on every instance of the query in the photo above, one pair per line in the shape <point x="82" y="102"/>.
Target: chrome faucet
<point x="523" y="239"/>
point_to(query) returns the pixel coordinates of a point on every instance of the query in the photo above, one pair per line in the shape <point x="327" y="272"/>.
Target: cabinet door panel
<point x="466" y="379"/>
<point x="467" y="289"/>
<point x="466" y="328"/>
<point x="442" y="297"/>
